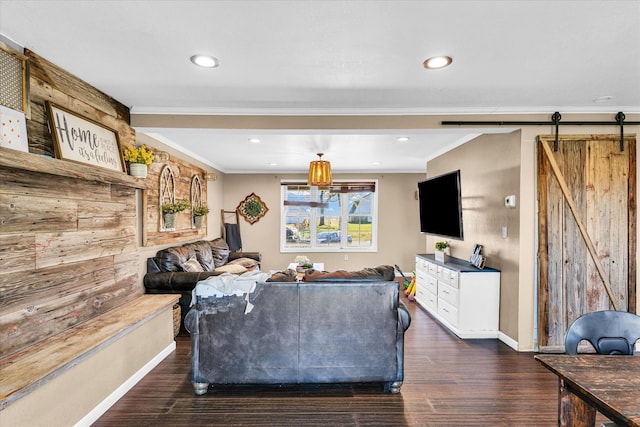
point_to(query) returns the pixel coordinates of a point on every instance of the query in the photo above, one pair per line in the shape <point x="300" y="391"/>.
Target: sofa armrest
<point x="152" y="266"/>
<point x="175" y="282"/>
<point x="404" y="317"/>
<point x="191" y="321"/>
<point x="253" y="255"/>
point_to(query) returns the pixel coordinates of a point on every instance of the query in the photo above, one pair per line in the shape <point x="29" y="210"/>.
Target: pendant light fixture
<point x="320" y="172"/>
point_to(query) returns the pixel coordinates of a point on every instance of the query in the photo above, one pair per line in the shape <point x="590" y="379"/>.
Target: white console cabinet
<point x="462" y="297"/>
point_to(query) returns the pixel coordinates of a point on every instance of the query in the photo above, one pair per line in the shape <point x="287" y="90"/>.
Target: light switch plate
<point x="510" y="201"/>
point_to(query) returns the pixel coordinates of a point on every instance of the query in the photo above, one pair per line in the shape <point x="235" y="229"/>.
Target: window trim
<point x="342" y="187"/>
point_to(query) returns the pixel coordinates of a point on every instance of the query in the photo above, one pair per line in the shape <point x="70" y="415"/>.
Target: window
<point x="329" y="219"/>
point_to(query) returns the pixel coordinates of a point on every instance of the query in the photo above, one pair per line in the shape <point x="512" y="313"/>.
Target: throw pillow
<point x="232" y="268"/>
<point x="203" y="254"/>
<point x="192" y="265"/>
<point x="287" y="275"/>
<point x="171" y="259"/>
<point x="219" y="251"/>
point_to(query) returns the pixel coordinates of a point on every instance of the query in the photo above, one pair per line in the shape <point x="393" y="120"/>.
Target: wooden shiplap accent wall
<point x="49" y="82"/>
<point x="68" y="238"/>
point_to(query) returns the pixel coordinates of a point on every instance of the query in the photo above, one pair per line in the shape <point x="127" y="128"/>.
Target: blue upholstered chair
<point x="610" y="332"/>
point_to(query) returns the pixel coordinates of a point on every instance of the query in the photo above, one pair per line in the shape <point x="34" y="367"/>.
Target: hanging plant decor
<point x="252" y="208"/>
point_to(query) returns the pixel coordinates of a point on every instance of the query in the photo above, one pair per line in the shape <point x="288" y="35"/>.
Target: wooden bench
<point x="27" y="371"/>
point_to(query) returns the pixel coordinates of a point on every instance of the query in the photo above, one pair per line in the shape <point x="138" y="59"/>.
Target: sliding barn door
<point x="587" y="220"/>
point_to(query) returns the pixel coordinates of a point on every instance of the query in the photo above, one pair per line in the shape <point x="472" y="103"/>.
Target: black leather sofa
<point x="333" y="330"/>
<point x="177" y="269"/>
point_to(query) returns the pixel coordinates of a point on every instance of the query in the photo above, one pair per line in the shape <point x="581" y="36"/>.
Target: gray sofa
<point x="333" y="331"/>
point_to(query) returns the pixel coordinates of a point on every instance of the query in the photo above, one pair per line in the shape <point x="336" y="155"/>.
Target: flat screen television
<point x="440" y="200"/>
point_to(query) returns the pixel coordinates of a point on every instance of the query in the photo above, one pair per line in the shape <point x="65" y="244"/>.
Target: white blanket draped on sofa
<point x="228" y="284"/>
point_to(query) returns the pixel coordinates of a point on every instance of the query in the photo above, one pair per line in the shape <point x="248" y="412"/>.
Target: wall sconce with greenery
<point x="198" y="213"/>
<point x="169" y="211"/>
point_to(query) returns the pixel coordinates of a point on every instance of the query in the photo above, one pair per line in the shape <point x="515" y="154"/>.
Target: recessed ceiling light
<point x="376" y="163"/>
<point x="254" y="140"/>
<point x="436" y="62"/>
<point x="603" y="99"/>
<point x="205" y="61"/>
<point x="402" y="138"/>
<point x="273" y="164"/>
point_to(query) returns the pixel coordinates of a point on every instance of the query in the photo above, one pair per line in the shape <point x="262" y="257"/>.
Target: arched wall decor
<point x="167" y="195"/>
<point x="173" y="182"/>
<point x="196" y="197"/>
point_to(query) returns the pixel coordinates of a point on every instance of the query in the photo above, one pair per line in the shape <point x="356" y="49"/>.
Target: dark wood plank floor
<point x="448" y="382"/>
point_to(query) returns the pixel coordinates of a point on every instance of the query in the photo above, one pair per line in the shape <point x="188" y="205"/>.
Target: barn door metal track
<point x="555" y="121"/>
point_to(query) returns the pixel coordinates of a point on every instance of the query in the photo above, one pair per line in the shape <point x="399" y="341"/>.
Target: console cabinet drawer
<point x="448" y="293"/>
<point x="432" y="285"/>
<point x="427" y="299"/>
<point x="421" y="277"/>
<point x="432" y="269"/>
<point x="453" y="279"/>
<point x="421" y="265"/>
<point x="449" y="312"/>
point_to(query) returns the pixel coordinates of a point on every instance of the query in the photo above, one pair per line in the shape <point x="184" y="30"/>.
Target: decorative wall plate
<point x="252" y="208"/>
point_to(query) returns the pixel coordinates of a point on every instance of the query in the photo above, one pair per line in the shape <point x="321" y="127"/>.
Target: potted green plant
<point x="440" y="255"/>
<point x="169" y="211"/>
<point x="139" y="158"/>
<point x="304" y="263"/>
<point x="198" y="213"/>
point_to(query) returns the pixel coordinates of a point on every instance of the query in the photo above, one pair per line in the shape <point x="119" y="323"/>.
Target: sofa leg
<point x="201" y="388"/>
<point x="393" y="387"/>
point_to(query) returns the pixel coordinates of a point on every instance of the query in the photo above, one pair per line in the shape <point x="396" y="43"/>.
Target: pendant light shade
<point x="320" y="172"/>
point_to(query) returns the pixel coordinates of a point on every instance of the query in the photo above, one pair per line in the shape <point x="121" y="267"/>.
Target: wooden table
<point x="608" y="384"/>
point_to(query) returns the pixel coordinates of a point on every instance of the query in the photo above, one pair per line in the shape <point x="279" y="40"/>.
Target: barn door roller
<point x="620" y="119"/>
<point x="555" y="118"/>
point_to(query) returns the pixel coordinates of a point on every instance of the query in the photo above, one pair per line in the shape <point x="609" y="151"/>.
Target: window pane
<point x="360" y="219"/>
<point x="360" y="230"/>
<point x="297" y="217"/>
<point x="360" y="203"/>
<point x="328" y="219"/>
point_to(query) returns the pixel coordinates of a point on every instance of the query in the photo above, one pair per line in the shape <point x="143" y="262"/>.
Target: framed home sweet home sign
<point x="82" y="140"/>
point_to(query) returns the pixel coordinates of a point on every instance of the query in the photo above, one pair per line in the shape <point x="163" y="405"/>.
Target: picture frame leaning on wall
<point x="83" y="140"/>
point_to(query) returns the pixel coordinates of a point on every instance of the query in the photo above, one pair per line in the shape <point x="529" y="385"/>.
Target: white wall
<point x="484" y="186"/>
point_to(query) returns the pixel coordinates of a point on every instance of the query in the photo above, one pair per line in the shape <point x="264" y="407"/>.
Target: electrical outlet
<point x="346" y="257"/>
<point x="504" y="232"/>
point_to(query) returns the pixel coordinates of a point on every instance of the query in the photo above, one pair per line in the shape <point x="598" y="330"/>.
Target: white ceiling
<point x="337" y="57"/>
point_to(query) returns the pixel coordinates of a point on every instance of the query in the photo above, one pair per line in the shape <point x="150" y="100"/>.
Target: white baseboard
<point x="508" y="340"/>
<point x="107" y="403"/>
